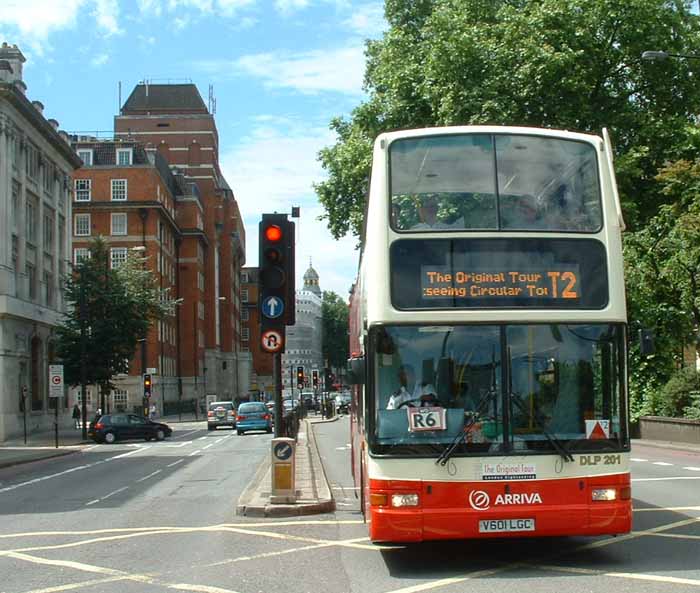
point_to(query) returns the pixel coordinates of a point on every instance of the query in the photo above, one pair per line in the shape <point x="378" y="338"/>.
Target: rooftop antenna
<point x="212" y="100"/>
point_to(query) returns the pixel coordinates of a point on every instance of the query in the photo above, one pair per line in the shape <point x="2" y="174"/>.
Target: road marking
<point x="149" y="475"/>
<point x="656" y="479"/>
<point x="676" y="535"/>
<point x="672" y="509"/>
<point x="207" y="446"/>
<point x="185" y="434"/>
<point x="178" y="445"/>
<point x="72" y="586"/>
<point x="344" y="488"/>
<point x="92" y="502"/>
<point x="115" y="492"/>
<point x="661" y="463"/>
<point x="202" y="588"/>
<point x="194" y="452"/>
<point x="204" y="437"/>
<point x="67" y="471"/>
<point x="637" y="459"/>
<point x="175" y="463"/>
<point x="653" y="577"/>
<point x="692" y="469"/>
<point x="288" y="551"/>
<point x="219" y="440"/>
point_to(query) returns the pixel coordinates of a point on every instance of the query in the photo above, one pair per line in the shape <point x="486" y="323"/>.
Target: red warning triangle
<point x="598" y="432"/>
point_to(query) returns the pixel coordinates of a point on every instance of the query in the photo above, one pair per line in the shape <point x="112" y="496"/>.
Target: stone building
<point x="304" y="346"/>
<point x="35" y="214"/>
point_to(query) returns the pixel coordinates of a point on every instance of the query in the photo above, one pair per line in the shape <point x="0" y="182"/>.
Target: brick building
<point x="185" y="214"/>
<point x="129" y="197"/>
<point x="35" y="188"/>
<point x="261" y="370"/>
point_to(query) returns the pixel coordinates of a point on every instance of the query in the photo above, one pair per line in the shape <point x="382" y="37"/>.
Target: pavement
<point x="314" y="494"/>
<point x="41" y="445"/>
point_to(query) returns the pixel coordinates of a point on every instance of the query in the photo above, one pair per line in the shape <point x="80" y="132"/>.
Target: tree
<point x="571" y="64"/>
<point x="663" y="281"/>
<point x="116" y="307"/>
<point x="334" y="314"/>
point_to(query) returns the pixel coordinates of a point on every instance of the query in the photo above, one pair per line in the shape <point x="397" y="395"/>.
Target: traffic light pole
<point x="277" y="372"/>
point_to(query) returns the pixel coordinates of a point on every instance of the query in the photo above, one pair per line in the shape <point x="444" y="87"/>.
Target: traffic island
<point x="312" y="492"/>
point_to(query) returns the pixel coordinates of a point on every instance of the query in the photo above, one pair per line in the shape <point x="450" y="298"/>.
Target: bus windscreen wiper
<point x="481" y="406"/>
<point x="554" y="441"/>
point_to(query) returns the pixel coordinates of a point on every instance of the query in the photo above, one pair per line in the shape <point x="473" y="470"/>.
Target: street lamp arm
<point x="662" y="55"/>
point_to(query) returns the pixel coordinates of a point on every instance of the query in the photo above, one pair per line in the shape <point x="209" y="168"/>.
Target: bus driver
<point x="410" y="393"/>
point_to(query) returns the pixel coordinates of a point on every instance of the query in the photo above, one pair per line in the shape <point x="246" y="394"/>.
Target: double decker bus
<point x="488" y="332"/>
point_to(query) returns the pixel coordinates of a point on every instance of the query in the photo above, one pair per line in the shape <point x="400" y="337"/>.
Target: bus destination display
<point x="498" y="273"/>
<point x="552" y="283"/>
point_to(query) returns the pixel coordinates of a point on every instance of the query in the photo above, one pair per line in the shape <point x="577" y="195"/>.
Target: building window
<point x="82" y="225"/>
<point x="48" y="289"/>
<point x="244" y="277"/>
<point x="200" y="281"/>
<point x="49" y="168"/>
<point x="32" y="162"/>
<point x="119" y="223"/>
<point x="117" y="256"/>
<point x="31" y="276"/>
<point x="244" y="295"/>
<point x="48" y="232"/>
<point x="83" y="190"/>
<point x="245" y="334"/>
<point x="200" y="310"/>
<point x="31" y="221"/>
<point x="85" y="155"/>
<point x="124" y="156"/>
<point x="118" y="190"/>
<point x="245" y="315"/>
<point x="79" y="254"/>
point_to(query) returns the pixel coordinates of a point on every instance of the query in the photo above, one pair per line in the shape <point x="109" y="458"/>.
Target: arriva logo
<point x="480" y="500"/>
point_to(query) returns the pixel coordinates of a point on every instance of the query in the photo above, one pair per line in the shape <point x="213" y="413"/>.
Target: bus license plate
<point x="505" y="525"/>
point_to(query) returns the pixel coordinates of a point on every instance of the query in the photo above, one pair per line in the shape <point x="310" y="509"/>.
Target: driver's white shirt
<point x="401" y="397"/>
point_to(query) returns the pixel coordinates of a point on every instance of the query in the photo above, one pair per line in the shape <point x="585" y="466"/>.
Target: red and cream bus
<point x="488" y="331"/>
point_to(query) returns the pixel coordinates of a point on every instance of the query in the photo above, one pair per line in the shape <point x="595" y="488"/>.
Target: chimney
<point x="39" y="106"/>
<point x="54" y="124"/>
<point x="13" y="56"/>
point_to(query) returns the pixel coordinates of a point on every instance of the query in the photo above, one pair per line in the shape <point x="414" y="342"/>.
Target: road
<point x="160" y="517"/>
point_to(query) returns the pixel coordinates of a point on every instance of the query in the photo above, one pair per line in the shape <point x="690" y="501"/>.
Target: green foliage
<point x="692" y="412"/>
<point x="677" y="394"/>
<point x="571" y="64"/>
<point x="119" y="307"/>
<point x="334" y="313"/>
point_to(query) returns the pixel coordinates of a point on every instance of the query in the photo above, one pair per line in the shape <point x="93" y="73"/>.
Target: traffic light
<point x="276" y="279"/>
<point x="300" y="377"/>
<point x="314" y="379"/>
<point x="147" y="384"/>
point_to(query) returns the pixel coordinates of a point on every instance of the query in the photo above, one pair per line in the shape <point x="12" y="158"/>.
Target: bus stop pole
<point x="277" y="372"/>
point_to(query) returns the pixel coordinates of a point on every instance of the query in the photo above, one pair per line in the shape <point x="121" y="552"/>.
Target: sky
<point x="280" y="70"/>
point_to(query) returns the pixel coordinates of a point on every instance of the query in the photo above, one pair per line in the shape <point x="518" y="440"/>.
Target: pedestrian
<point x="152" y="414"/>
<point x="76" y="416"/>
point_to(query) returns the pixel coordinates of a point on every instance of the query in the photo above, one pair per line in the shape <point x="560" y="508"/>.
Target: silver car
<point x="221" y="414"/>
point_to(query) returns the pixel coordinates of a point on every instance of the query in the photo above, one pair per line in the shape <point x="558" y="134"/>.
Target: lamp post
<point x="144" y="403"/>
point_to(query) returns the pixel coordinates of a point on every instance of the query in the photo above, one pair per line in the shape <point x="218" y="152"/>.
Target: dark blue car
<point x="253" y="416"/>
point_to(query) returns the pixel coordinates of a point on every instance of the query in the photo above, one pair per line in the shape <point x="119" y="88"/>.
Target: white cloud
<point x="100" y="60"/>
<point x="33" y="21"/>
<point x="334" y="70"/>
<point x="273" y="169"/>
<point x="287" y="6"/>
<point x="106" y="13"/>
<point x="367" y="20"/>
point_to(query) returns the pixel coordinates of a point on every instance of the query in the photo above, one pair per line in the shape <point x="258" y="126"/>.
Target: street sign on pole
<point x="56" y="380"/>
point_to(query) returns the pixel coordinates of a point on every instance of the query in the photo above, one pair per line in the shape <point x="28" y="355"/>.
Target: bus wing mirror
<point x="646" y="342"/>
<point x="356" y="370"/>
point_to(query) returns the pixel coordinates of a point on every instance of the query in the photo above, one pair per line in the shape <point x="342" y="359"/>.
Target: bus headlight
<point x="404" y="500"/>
<point x="604" y="494"/>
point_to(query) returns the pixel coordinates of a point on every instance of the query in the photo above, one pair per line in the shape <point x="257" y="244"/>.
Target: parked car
<point x="253" y="416"/>
<point x="342" y="403"/>
<point x="119" y="427"/>
<point x="221" y="414"/>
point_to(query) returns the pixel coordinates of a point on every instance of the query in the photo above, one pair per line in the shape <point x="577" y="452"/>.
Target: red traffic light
<point x="273" y="233"/>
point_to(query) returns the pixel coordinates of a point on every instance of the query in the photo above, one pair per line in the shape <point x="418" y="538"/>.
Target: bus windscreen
<point x="498" y="273"/>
